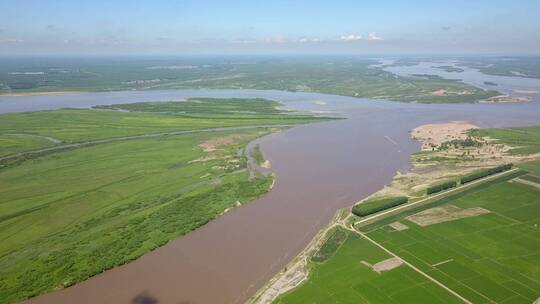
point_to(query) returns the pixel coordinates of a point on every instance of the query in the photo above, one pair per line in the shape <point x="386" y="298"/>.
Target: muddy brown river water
<point x="320" y="168"/>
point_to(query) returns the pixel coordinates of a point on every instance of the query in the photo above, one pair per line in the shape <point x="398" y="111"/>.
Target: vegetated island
<point x="429" y="236"/>
<point x="85" y="190"/>
<point x="450" y="69"/>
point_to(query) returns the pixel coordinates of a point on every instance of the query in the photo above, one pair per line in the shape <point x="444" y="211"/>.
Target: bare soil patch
<point x="518" y="91"/>
<point x="505" y="99"/>
<point x="526" y="182"/>
<point x="213" y="144"/>
<point x="435" y="134"/>
<point x="387" y="265"/>
<point x="441" y="92"/>
<point x="443" y="214"/>
<point x="399" y="226"/>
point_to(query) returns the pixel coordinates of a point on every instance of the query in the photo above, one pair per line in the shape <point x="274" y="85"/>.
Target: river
<point x="320" y="168"/>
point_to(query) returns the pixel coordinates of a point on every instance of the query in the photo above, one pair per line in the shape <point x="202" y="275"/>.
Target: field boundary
<point x="412" y="266"/>
<point x="435" y="197"/>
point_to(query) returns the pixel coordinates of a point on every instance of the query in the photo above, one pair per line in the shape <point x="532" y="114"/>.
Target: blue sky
<point x="265" y="27"/>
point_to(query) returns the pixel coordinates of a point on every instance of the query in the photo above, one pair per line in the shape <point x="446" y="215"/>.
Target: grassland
<point x="349" y="76"/>
<point x="524" y="140"/>
<point x="71" y="214"/>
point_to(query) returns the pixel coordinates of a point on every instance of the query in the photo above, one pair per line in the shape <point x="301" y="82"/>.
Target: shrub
<point x="378" y="204"/>
<point x="441" y="186"/>
<point x="485" y="172"/>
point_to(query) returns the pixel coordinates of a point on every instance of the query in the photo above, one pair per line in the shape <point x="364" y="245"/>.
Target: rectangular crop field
<point x="346" y="277"/>
<point x="493" y="257"/>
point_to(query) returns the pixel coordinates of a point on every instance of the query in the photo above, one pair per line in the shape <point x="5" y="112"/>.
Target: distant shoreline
<point x="40" y="93"/>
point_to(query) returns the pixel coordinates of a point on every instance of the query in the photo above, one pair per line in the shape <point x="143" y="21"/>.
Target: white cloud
<point x="307" y="40"/>
<point x="280" y="39"/>
<point x="351" y="37"/>
<point x="373" y="36"/>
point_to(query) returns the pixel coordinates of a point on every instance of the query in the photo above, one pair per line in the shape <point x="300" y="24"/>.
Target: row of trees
<point x="378" y="204"/>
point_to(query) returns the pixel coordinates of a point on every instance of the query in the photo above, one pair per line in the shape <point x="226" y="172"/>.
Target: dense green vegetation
<point x="71" y="214"/>
<point x="450" y="69"/>
<point x="349" y="76"/>
<point x="257" y="155"/>
<point x="346" y="277"/>
<point x="336" y="237"/>
<point x="375" y="205"/>
<point x="230" y="107"/>
<point x="490" y="258"/>
<point x="441" y="186"/>
<point x="483" y="173"/>
<point x="524" y="140"/>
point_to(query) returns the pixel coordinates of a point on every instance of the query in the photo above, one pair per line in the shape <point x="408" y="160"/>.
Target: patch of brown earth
<point x="398" y="226"/>
<point x="387" y="265"/>
<point x="527" y="182"/>
<point x="213" y="144"/>
<point x="443" y="214"/>
<point x="518" y="91"/>
<point x="435" y="134"/>
<point x="441" y="92"/>
<point x="505" y="99"/>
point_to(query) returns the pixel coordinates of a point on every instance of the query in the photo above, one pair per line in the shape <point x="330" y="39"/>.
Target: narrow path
<point x="414" y="268"/>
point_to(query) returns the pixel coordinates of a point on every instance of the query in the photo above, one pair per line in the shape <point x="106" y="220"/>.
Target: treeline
<point x="484" y="172"/>
<point x="441" y="186"/>
<point x="378" y="204"/>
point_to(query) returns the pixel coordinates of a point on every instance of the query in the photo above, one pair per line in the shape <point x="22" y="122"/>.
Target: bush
<point x="378" y="204"/>
<point x="441" y="186"/>
<point x="485" y="172"/>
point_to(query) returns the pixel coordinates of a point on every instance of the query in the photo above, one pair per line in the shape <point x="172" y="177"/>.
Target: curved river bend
<point x="320" y="168"/>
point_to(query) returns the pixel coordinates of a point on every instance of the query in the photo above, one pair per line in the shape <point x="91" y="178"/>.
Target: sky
<point x="36" y="27"/>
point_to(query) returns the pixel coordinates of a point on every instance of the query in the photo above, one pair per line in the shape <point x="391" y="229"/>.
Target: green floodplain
<point x="115" y="193"/>
<point x="349" y="76"/>
<point x="491" y="255"/>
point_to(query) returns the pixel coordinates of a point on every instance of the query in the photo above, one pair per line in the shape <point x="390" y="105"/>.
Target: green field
<point x="526" y="140"/>
<point x="340" y="75"/>
<point x="70" y="214"/>
<point x="343" y="278"/>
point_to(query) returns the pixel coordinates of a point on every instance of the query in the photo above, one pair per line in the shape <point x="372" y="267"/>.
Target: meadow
<point x="70" y="214"/>
<point x="525" y="140"/>
<point x="349" y="76"/>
